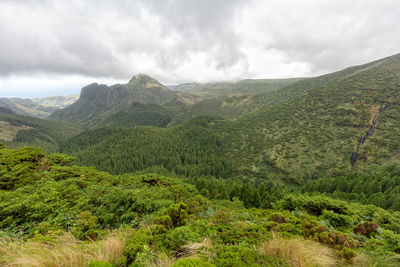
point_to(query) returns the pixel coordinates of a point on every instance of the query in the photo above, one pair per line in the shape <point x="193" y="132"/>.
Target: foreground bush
<point x="75" y="216"/>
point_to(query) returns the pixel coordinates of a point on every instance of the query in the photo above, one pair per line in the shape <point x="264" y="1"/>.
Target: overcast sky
<point x="53" y="47"/>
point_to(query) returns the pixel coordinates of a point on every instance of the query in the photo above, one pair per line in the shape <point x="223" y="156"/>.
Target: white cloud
<point x="186" y="40"/>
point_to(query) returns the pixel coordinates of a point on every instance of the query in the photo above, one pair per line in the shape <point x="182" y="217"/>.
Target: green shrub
<point x="190" y="262"/>
<point x="347" y="253"/>
<point x="337" y="240"/>
<point x="178" y="213"/>
<point x="366" y="228"/>
<point x="175" y="216"/>
<point x="181" y="235"/>
<point x="87" y="228"/>
<point x="144" y="257"/>
<point x="238" y="256"/>
<point x="337" y="220"/>
<point x="277" y="217"/>
<point x="136" y="244"/>
<point x="311" y="227"/>
<point x="100" y="264"/>
<point x="165" y="220"/>
<point x="19" y="167"/>
<point x="46" y="232"/>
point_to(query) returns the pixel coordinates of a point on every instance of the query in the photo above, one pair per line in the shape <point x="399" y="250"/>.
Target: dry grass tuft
<point x="199" y="250"/>
<point x="162" y="260"/>
<point x="362" y="260"/>
<point x="66" y="251"/>
<point x="299" y="252"/>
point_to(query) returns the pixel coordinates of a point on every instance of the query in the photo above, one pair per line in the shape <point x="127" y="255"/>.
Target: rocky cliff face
<point x="94" y="91"/>
<point x="98" y="100"/>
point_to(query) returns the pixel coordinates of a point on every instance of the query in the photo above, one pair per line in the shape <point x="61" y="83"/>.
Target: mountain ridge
<point x="97" y="101"/>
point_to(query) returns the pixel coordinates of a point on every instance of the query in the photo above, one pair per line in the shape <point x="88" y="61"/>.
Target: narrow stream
<point x="382" y="109"/>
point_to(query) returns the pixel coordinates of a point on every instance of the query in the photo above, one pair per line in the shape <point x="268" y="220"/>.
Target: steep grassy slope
<point x="231" y="107"/>
<point x="243" y="87"/>
<point x="315" y="133"/>
<point x="17" y="130"/>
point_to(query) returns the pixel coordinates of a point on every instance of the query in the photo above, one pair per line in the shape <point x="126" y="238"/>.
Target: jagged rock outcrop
<point x="97" y="101"/>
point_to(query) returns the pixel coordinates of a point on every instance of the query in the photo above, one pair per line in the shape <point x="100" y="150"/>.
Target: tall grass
<point x="203" y="249"/>
<point x="299" y="252"/>
<point x="66" y="251"/>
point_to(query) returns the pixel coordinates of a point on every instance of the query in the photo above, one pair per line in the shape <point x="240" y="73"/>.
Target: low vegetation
<point x="52" y="212"/>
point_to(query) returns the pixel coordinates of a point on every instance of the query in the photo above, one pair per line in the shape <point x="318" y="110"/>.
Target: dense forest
<point x="191" y="149"/>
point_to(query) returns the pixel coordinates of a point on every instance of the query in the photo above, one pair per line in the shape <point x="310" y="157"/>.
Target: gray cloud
<point x="330" y="35"/>
<point x="101" y="38"/>
<point x="184" y="40"/>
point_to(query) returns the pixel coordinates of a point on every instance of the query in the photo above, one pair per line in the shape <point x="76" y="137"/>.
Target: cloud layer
<point x="191" y="40"/>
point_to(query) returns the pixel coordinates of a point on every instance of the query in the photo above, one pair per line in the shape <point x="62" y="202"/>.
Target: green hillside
<point x="315" y="133"/>
<point x="231" y="107"/>
<point x="17" y="130"/>
<point x="242" y="87"/>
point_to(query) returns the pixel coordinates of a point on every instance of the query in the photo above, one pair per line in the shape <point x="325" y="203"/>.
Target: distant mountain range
<point x="26" y="107"/>
<point x="37" y="107"/>
<point x="55" y="101"/>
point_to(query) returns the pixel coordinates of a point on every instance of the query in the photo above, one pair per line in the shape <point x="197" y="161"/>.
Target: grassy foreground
<point x="55" y="214"/>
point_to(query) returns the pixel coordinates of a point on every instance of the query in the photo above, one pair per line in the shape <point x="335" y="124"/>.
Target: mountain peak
<point x="93" y="90"/>
<point x="142" y="78"/>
